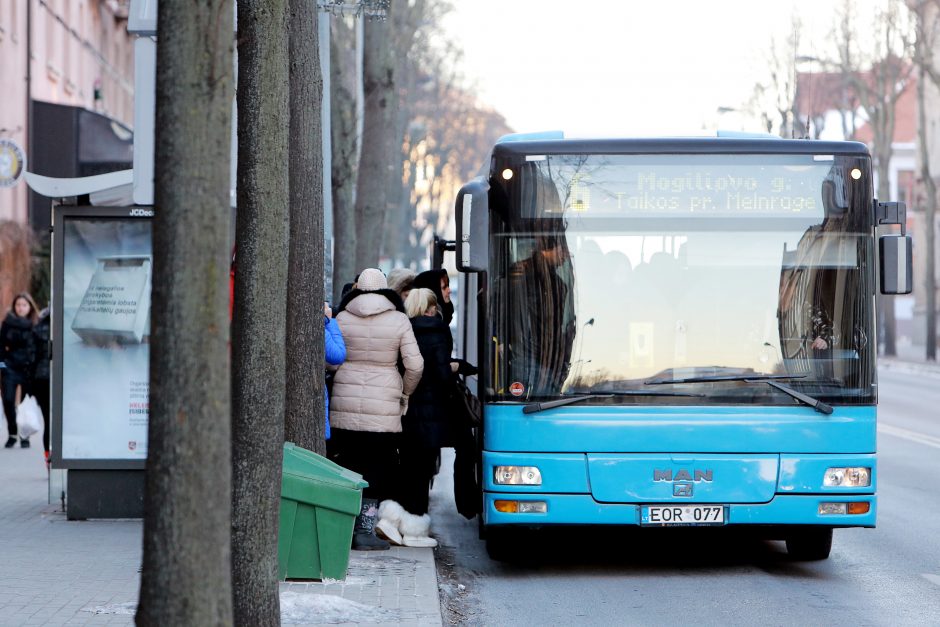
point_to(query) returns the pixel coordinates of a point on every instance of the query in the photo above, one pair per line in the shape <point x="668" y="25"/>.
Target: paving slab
<point x="60" y="572"/>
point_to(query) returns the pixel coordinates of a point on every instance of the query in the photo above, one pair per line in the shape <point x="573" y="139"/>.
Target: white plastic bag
<point x="28" y="417"/>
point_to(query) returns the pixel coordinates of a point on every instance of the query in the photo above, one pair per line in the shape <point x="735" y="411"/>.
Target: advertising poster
<point x="107" y="267"/>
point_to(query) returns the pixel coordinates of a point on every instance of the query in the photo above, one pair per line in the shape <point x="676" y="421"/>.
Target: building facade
<point x="73" y="53"/>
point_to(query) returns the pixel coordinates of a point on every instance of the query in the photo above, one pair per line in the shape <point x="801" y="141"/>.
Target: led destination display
<point x="603" y="189"/>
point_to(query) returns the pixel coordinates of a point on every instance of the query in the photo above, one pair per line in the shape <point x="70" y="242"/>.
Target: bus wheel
<point x="810" y="543"/>
<point x="500" y="544"/>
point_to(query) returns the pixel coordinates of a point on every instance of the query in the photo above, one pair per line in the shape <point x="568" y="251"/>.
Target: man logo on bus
<point x="682" y="475"/>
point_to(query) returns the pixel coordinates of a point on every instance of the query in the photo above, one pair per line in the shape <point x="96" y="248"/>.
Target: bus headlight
<point x="851" y="477"/>
<point x="517" y="475"/>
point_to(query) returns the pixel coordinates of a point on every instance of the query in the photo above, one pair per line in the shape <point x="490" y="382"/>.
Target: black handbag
<point x="467" y="406"/>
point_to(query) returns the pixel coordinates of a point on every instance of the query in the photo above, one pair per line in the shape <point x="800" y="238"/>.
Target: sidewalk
<point x="910" y="359"/>
<point x="59" y="572"/>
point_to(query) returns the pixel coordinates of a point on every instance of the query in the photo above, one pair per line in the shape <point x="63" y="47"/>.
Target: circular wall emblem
<point x="516" y="389"/>
<point x="12" y="162"/>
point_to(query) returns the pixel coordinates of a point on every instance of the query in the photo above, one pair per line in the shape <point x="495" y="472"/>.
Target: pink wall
<point x="74" y="44"/>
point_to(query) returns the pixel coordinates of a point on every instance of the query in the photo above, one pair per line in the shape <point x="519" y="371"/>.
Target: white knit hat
<point x="371" y="279"/>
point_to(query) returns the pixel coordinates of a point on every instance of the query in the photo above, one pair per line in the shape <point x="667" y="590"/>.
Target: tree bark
<point x="304" y="406"/>
<point x="377" y="130"/>
<point x="260" y="321"/>
<point x="187" y="532"/>
<point x="345" y="155"/>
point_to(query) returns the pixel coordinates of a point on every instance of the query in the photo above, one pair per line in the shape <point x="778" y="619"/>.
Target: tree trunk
<point x="345" y="156"/>
<point x="304" y="407"/>
<point x="377" y="130"/>
<point x="260" y="321"/>
<point x="187" y="522"/>
<point x="930" y="210"/>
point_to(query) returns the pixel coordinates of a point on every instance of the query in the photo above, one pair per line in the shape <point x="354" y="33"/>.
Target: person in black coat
<point x="438" y="282"/>
<point x="40" y="385"/>
<point x="426" y="426"/>
<point x="18" y="354"/>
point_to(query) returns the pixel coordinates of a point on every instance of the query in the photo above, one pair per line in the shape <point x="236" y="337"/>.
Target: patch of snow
<point x="304" y="608"/>
<point x="126" y="609"/>
<point x="296" y="608"/>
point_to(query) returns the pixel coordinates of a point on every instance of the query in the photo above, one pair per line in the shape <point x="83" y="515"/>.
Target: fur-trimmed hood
<point x="390" y="295"/>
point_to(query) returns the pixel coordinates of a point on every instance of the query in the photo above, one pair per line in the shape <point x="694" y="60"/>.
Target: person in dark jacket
<point x="18" y="354"/>
<point x="40" y="386"/>
<point x="424" y="428"/>
<point x="438" y="282"/>
<point x="426" y="425"/>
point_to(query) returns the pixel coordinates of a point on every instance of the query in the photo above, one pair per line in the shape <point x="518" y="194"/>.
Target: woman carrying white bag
<point x="18" y="354"/>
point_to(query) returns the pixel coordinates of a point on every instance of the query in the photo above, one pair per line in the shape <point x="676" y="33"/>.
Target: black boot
<point x="364" y="538"/>
<point x="11" y="442"/>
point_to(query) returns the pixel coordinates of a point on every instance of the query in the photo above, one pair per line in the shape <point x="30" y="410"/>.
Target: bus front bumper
<point x="582" y="509"/>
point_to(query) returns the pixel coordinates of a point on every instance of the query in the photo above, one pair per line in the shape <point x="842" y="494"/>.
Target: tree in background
<point x="440" y="137"/>
<point x="260" y="320"/>
<point x="878" y="69"/>
<point x="379" y="80"/>
<point x="448" y="141"/>
<point x="445" y="135"/>
<point x="186" y="577"/>
<point x="927" y="21"/>
<point x="773" y="102"/>
<point x="344" y="142"/>
<point x="304" y="402"/>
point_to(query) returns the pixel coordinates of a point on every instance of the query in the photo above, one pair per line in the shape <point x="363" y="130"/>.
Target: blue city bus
<point x="677" y="332"/>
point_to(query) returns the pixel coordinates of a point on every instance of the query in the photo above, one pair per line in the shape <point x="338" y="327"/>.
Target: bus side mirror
<point x="894" y="252"/>
<point x="473" y="216"/>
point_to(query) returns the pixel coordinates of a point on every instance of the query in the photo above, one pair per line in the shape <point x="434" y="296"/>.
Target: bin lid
<point x="300" y="461"/>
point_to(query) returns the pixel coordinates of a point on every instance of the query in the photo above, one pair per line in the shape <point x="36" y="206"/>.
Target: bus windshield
<point x="611" y="271"/>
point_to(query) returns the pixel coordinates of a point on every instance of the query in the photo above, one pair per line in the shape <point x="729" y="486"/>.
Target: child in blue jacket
<point x="335" y="352"/>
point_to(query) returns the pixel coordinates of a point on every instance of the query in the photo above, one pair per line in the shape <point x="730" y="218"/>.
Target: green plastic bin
<point x="319" y="504"/>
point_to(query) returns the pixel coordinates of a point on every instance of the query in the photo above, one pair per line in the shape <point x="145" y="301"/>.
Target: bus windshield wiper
<point x="727" y="377"/>
<point x="769" y="379"/>
<point x="532" y="408"/>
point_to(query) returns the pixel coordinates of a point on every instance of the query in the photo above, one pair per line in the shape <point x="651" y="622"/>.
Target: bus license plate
<point x="674" y="515"/>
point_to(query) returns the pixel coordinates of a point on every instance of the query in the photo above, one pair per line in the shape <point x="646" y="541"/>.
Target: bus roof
<point x="676" y="145"/>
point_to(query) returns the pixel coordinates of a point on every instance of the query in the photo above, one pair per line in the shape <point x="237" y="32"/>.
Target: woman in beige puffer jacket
<point x="369" y="394"/>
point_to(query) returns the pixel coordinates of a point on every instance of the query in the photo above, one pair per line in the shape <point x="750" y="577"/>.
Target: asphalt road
<point x="601" y="576"/>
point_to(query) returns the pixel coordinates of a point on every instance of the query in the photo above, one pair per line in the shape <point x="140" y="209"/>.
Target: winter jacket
<point x="18" y="345"/>
<point x="41" y="339"/>
<point x="367" y="388"/>
<point x="335" y="354"/>
<point x="428" y="421"/>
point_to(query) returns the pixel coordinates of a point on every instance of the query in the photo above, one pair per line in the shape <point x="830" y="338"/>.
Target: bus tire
<point x="810" y="543"/>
